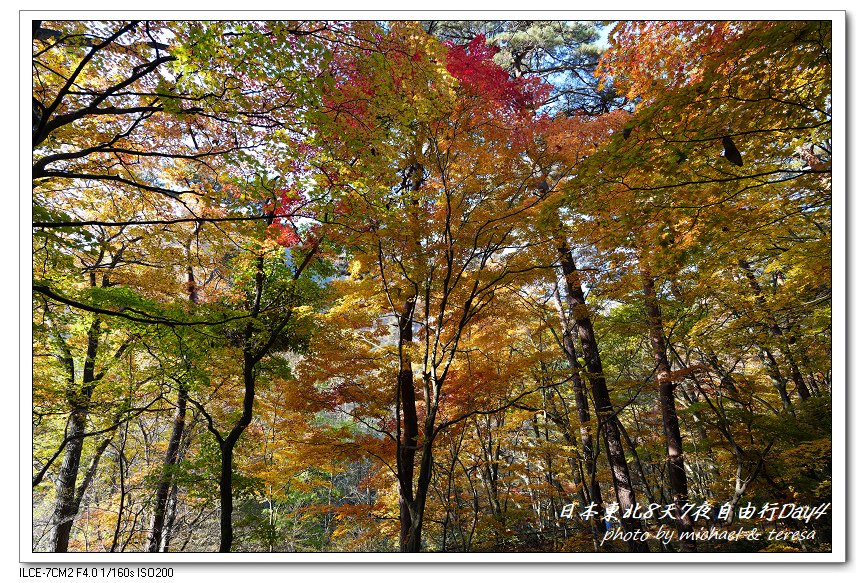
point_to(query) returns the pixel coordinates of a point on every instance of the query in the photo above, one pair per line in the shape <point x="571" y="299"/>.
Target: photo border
<point x="839" y="508"/>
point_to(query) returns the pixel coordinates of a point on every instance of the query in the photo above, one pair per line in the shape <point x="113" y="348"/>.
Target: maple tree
<point x="687" y="106"/>
<point x="440" y="230"/>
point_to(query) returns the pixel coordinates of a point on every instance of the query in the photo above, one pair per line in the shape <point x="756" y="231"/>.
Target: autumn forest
<point x="431" y="286"/>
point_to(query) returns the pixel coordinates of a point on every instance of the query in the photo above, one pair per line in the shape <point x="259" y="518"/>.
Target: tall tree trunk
<point x="67" y="503"/>
<point x="667" y="402"/>
<point x="633" y="447"/>
<point x="253" y="352"/>
<point x="600" y="394"/>
<point x="251" y="357"/>
<point x="171" y="516"/>
<point x="226" y="500"/>
<point x="413" y="544"/>
<point x="172" y="456"/>
<point x="582" y="402"/>
<point x="411" y="501"/>
<point x="64" y="507"/>
<point x="226" y="495"/>
<point x="123" y="468"/>
<point x="489" y="470"/>
<point x="408" y="431"/>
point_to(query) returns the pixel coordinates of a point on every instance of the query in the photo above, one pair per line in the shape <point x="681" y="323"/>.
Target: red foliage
<point x="283" y="233"/>
<point x="476" y="71"/>
<point x="289" y="203"/>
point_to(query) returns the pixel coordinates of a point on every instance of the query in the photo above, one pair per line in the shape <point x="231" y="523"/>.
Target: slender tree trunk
<point x="778" y="380"/>
<point x="600" y="394"/>
<point x="226" y="495"/>
<point x="489" y="470"/>
<point x="123" y="468"/>
<point x="667" y="402"/>
<point x="423" y="482"/>
<point x="172" y="456"/>
<point x="451" y="509"/>
<point x="798" y="382"/>
<point x="90" y="472"/>
<point x="171" y="516"/>
<point x="226" y="500"/>
<point x="252" y="355"/>
<point x="633" y="448"/>
<point x="714" y="476"/>
<point x="775" y="329"/>
<point x="582" y="402"/>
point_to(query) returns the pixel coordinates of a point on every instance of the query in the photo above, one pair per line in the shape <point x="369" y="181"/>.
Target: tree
<point x="271" y="309"/>
<point x="129" y="121"/>
<point x="440" y="196"/>
<point x="563" y="54"/>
